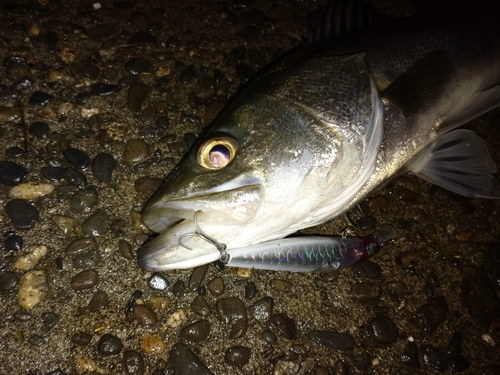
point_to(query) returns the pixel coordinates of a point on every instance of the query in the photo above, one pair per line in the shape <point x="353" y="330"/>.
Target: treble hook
<point x="224" y="256"/>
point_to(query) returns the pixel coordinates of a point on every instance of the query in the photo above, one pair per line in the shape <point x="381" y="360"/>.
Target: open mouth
<point x="178" y="245"/>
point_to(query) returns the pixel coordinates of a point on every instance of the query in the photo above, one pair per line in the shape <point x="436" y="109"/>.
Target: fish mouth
<point x="178" y="246"/>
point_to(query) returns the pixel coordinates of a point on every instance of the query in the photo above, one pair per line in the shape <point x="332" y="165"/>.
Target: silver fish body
<point x="316" y="133"/>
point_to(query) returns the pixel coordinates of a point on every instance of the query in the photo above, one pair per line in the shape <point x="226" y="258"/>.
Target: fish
<point x="318" y="131"/>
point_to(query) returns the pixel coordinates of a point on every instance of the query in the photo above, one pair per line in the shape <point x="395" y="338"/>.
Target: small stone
<point x="102" y="167"/>
<point x="367" y="222"/>
<point x="99" y="301"/>
<point x="36" y="340"/>
<point x="216" y="286"/>
<point x="88" y="260"/>
<point x="13" y="242"/>
<point x="383" y="330"/>
<point x="30" y="191"/>
<point x="32" y="289"/>
<point x="14" y="152"/>
<point x="237" y="356"/>
<point x="109" y="345"/>
<point x="8" y="281"/>
<point x="22" y="214"/>
<point x="54" y="174"/>
<point x="136" y="96"/>
<point x="195" y="332"/>
<point x="365" y="292"/>
<point x="268" y="337"/>
<point x="187" y="74"/>
<point x="142" y="37"/>
<point x="133" y="362"/>
<point x="479" y="296"/>
<point x="144" y="316"/>
<point x="84" y="364"/>
<point x="244" y="72"/>
<point x="50" y="320"/>
<point x="285" y="326"/>
<point x="84" y="280"/>
<point x="81" y="338"/>
<point x="159" y="303"/>
<point x="263" y="310"/>
<point x="11" y="174"/>
<point x="138" y="66"/>
<point x="432" y="314"/>
<point x="152" y="344"/>
<point x="40" y="98"/>
<point x="82" y="245"/>
<point x="84" y="200"/>
<point x="281" y="285"/>
<point x="435" y="358"/>
<point x="233" y="315"/>
<point x="96" y="225"/>
<point x="30" y="260"/>
<point x="177" y="318"/>
<point x="197" y="277"/>
<point x="102" y="89"/>
<point x="183" y="362"/>
<point x="378" y="202"/>
<point x="77" y="157"/>
<point x="39" y="129"/>
<point x="368" y="269"/>
<point x="410" y="355"/>
<point x="200" y="306"/>
<point x="135" y="150"/>
<point x="250" y="290"/>
<point x="158" y="282"/>
<point x="337" y="340"/>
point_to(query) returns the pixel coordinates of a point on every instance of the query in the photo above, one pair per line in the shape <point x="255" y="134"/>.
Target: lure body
<point x="304" y="254"/>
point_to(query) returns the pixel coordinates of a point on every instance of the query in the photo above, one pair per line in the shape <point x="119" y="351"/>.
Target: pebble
<point x="187" y="74"/>
<point x="8" y="113"/>
<point x="183" y="362"/>
<point x="378" y="202"/>
<point x="477" y="294"/>
<point x="80" y="246"/>
<point x="285" y="326"/>
<point x="30" y="260"/>
<point x="13" y="242"/>
<point x="368" y="269"/>
<point x="263" y="310"/>
<point x="8" y="281"/>
<point x="135" y="150"/>
<point x="200" y="306"/>
<point x="33" y="289"/>
<point x="152" y="344"/>
<point x="284" y="367"/>
<point x="40" y="98"/>
<point x="410" y="355"/>
<point x="75" y="178"/>
<point x="216" y="286"/>
<point x="30" y="191"/>
<point x="84" y="200"/>
<point x="138" y="66"/>
<point x="383" y="330"/>
<point x="133" y="362"/>
<point x="147" y="185"/>
<point x="54" y="174"/>
<point x="144" y="315"/>
<point x="250" y="290"/>
<point x="102" y="89"/>
<point x="337" y="340"/>
<point x="136" y="95"/>
<point x="196" y="278"/>
<point x="232" y="313"/>
<point x="36" y="340"/>
<point x="11" y="174"/>
<point x="365" y="292"/>
<point x="102" y="167"/>
<point x="195" y="332"/>
<point x="14" y="152"/>
<point x="96" y="224"/>
<point x="109" y="345"/>
<point x="158" y="282"/>
<point x="281" y="285"/>
<point x="177" y="318"/>
<point x="39" y="129"/>
<point x="237" y="356"/>
<point x="99" y="301"/>
<point x="435" y="358"/>
<point x="367" y="222"/>
<point x="50" y="320"/>
<point x="84" y="280"/>
<point x="81" y="338"/>
<point x="77" y="158"/>
<point x="179" y="288"/>
<point x="432" y="314"/>
<point x="125" y="250"/>
<point x="87" y="260"/>
<point x="268" y="337"/>
<point x="22" y="214"/>
<point x="159" y="302"/>
<point x="406" y="195"/>
<point x="131" y="302"/>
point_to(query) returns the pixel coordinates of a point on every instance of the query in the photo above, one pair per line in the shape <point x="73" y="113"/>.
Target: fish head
<point x="274" y="162"/>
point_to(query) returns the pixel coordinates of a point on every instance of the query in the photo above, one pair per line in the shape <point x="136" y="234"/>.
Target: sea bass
<point x="317" y="132"/>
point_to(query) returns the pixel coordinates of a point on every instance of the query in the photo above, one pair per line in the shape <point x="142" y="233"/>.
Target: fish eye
<point x="217" y="152"/>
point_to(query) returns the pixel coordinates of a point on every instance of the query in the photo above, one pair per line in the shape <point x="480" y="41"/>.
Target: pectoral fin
<point x="459" y="161"/>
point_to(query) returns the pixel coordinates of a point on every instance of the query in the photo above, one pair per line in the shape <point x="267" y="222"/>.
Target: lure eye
<point x="217" y="152"/>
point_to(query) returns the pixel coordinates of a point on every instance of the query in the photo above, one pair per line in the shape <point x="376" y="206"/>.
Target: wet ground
<point x="112" y="94"/>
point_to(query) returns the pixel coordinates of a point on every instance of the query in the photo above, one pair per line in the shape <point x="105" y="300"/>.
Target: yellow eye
<point x="217" y="152"/>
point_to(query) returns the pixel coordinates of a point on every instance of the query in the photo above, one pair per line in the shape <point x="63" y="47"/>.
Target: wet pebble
<point x="36" y="340"/>
<point x="285" y="326"/>
<point x="138" y="66"/>
<point x="8" y="281"/>
<point x="368" y="269"/>
<point x="216" y="286"/>
<point x="179" y="288"/>
<point x="152" y="344"/>
<point x="136" y="95"/>
<point x="177" y="318"/>
<point x="281" y="285"/>
<point x="31" y="259"/>
<point x="99" y="301"/>
<point x="250" y="290"/>
<point x="410" y="355"/>
<point x="40" y="98"/>
<point x="80" y="246"/>
<point x="378" y="202"/>
<point x="102" y="167"/>
<point x="406" y="195"/>
<point x="200" y="306"/>
<point x="183" y="362"/>
<point x="159" y="302"/>
<point x="125" y="250"/>
<point x="96" y="225"/>
<point x="383" y="330"/>
<point x="435" y="358"/>
<point x="51" y="173"/>
<point x="75" y="178"/>
<point x="432" y="314"/>
<point x="84" y="280"/>
<point x="337" y="340"/>
<point x="39" y="129"/>
<point x="479" y="296"/>
<point x="32" y="289"/>
<point x="367" y="222"/>
<point x="232" y="313"/>
<point x="30" y="191"/>
<point x="195" y="332"/>
<point x="14" y="152"/>
<point x="102" y="89"/>
<point x="196" y="278"/>
<point x="11" y="173"/>
<point x="133" y="362"/>
<point x="365" y="292"/>
<point x="22" y="214"/>
<point x="237" y="356"/>
<point x="158" y="282"/>
<point x="87" y="260"/>
<point x="77" y="157"/>
<point x="109" y="345"/>
<point x="268" y="337"/>
<point x="81" y="338"/>
<point x="187" y="75"/>
<point x="263" y="310"/>
<point x="13" y="242"/>
<point x="135" y="150"/>
<point x="17" y="72"/>
<point x="84" y="200"/>
<point x="50" y="320"/>
<point x="144" y="315"/>
<point x="91" y="71"/>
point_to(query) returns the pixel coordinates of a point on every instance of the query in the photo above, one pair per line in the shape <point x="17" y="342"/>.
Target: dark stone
<point x="84" y="200"/>
<point x="14" y="152"/>
<point x="410" y="355"/>
<point x="13" y="242"/>
<point x="383" y="330"/>
<point x="233" y="315"/>
<point x="84" y="280"/>
<point x="195" y="332"/>
<point x="200" y="306"/>
<point x="197" y="277"/>
<point x="40" y="98"/>
<point x="138" y="66"/>
<point x="144" y="315"/>
<point x="182" y="362"/>
<point x="50" y="320"/>
<point x="75" y="178"/>
<point x="432" y="314"/>
<point x="365" y="292"/>
<point x="263" y="310"/>
<point x="91" y="71"/>
<point x="134" y="364"/>
<point x="250" y="290"/>
<point x="131" y="303"/>
<point x="187" y="74"/>
<point x="100" y="31"/>
<point x="11" y="174"/>
<point x="109" y="345"/>
<point x="158" y="282"/>
<point x="96" y="225"/>
<point x="22" y="214"/>
<point x="368" y="269"/>
<point x="99" y="301"/>
<point x="337" y="340"/>
<point x="36" y="340"/>
<point x="362" y="361"/>
<point x="77" y="157"/>
<point x="87" y="260"/>
<point x="136" y="96"/>
<point x="102" y="89"/>
<point x="435" y="358"/>
<point x="57" y="371"/>
<point x="83" y="245"/>
<point x="238" y="54"/>
<point x="179" y="288"/>
<point x="455" y="344"/>
<point x="268" y="337"/>
<point x="367" y="222"/>
<point x="480" y="297"/>
<point x="54" y="174"/>
<point x="285" y="326"/>
<point x="237" y="356"/>
<point x="8" y="281"/>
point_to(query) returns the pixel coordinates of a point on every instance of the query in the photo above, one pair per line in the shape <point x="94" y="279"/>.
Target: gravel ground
<point x="113" y="93"/>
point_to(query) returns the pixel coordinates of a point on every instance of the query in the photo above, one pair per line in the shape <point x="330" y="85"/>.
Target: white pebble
<point x="30" y="191"/>
<point x="32" y="289"/>
<point x="31" y="259"/>
<point x="488" y="339"/>
<point x="177" y="318"/>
